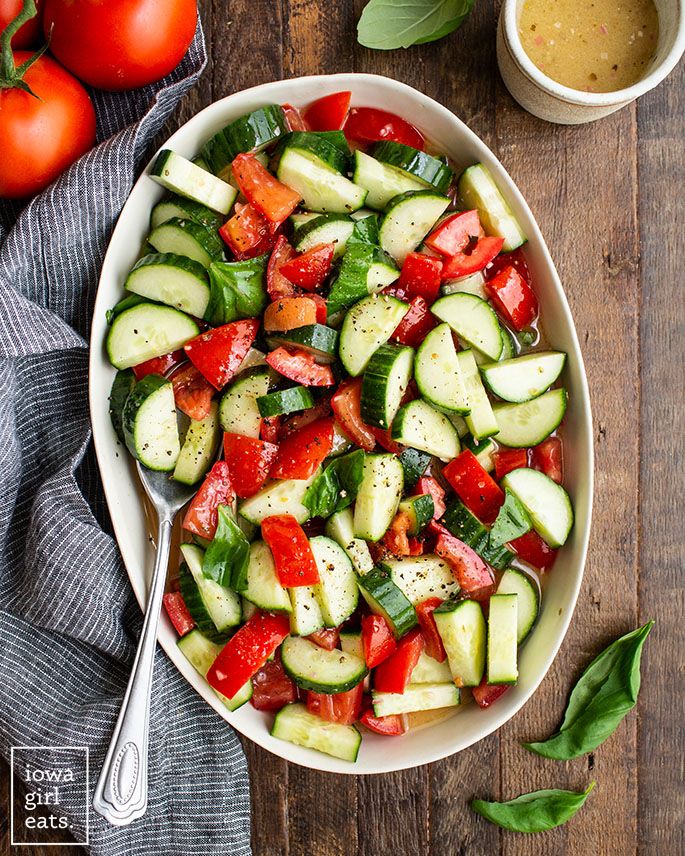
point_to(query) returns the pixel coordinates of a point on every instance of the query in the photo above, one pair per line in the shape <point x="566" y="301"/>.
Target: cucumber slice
<point x="414" y="464"/>
<point x="252" y="132"/>
<point x="321" y="671"/>
<point x="502" y="632"/>
<point x="419" y="425"/>
<point x="547" y="503"/>
<point x="473" y="320"/>
<point x="323" y="229"/>
<point x="408" y="219"/>
<point x="199" y="448"/>
<point x="429" y="671"/>
<point x="321" y="187"/>
<point x="185" y="237"/>
<point x="462" y="629"/>
<point x="508" y="345"/>
<point x="279" y="497"/>
<point x="146" y="331"/>
<point x="466" y="526"/>
<point x="523" y="378"/>
<point x="221" y="604"/>
<point x="171" y="279"/>
<point x="122" y="386"/>
<point x="150" y="425"/>
<point x="176" y="206"/>
<point x="181" y="176"/>
<point x="340" y="527"/>
<point x="385" y="598"/>
<point x="385" y="381"/>
<point x="248" y="609"/>
<point x="337" y="591"/>
<point x="527" y="424"/>
<point x="528" y="605"/>
<point x="368" y="325"/>
<point x="320" y="145"/>
<point x="340" y="442"/>
<point x="238" y="411"/>
<point x="422" y="577"/>
<point x="351" y="642"/>
<point x="365" y="269"/>
<point x="414" y="698"/>
<point x="305" y="617"/>
<point x="263" y="588"/>
<point x="474" y="283"/>
<point x="382" y="182"/>
<point x="429" y="171"/>
<point x="438" y="373"/>
<point x="316" y="339"/>
<point x="481" y="421"/>
<point x="419" y="510"/>
<point x="460" y="424"/>
<point x="477" y="189"/>
<point x="122" y="305"/>
<point x="378" y="497"/>
<point x="201" y="653"/>
<point x="285" y="401"/>
<point x="483" y="451"/>
<point x="296" y="724"/>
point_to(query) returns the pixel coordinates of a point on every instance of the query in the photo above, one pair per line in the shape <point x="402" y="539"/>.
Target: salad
<point x="335" y="336"/>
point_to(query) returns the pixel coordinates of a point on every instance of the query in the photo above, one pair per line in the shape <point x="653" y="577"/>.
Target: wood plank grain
<point x="661" y="161"/>
<point x="394" y="813"/>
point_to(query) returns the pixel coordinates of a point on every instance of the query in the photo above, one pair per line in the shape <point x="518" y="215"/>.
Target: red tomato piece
<point x="514" y="258"/>
<point x="216" y="490"/>
<point x="416" y="546"/>
<point x="218" y="353"/>
<point x="343" y="708"/>
<point x="474" y="486"/>
<point x="311" y="268"/>
<point x="346" y="404"/>
<point x="270" y="428"/>
<point x="384" y="439"/>
<point x="192" y="392"/>
<point x="277" y="285"/>
<point x="470" y="571"/>
<point x="485" y="694"/>
<point x="513" y="297"/>
<point x="321" y="308"/>
<point x="301" y="454"/>
<point x="396" y="538"/>
<point x="327" y="638"/>
<point x="273" y="199"/>
<point x="547" y="457"/>
<point x="247" y="233"/>
<point x="424" y="612"/>
<point x="178" y="613"/>
<point x="247" y="651"/>
<point x="370" y="125"/>
<point x="455" y="233"/>
<point x="427" y="484"/>
<point x="328" y="113"/>
<point x="390" y="726"/>
<point x="421" y="276"/>
<point x="294" y="118"/>
<point x="298" y="420"/>
<point x="249" y="461"/>
<point x="301" y="367"/>
<point x="507" y="460"/>
<point x="272" y="689"/>
<point x="393" y="674"/>
<point x="473" y="259"/>
<point x="293" y="558"/>
<point x="158" y="365"/>
<point x="530" y="548"/>
<point x="415" y="325"/>
<point x="378" y="641"/>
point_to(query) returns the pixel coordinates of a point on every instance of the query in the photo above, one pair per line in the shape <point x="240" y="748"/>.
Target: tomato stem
<point x="11" y="75"/>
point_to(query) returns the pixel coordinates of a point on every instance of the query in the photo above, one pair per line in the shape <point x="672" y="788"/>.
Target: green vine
<point x="11" y="75"/>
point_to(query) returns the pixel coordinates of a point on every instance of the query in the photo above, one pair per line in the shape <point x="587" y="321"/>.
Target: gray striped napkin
<point x="68" y="620"/>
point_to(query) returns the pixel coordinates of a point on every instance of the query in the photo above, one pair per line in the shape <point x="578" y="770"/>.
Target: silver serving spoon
<point x="121" y="792"/>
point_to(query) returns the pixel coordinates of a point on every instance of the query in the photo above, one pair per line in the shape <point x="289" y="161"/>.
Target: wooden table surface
<point x="609" y="199"/>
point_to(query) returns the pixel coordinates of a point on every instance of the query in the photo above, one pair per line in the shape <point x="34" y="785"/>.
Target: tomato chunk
<point x="309" y="270"/>
<point x="218" y="353"/>
<point x="293" y="558"/>
<point x="424" y="612"/>
<point x="393" y="674"/>
<point x="421" y="276"/>
<point x="193" y="393"/>
<point x="390" y="726"/>
<point x="272" y="689"/>
<point x="294" y="118"/>
<point x="178" y="613"/>
<point x="476" y="488"/>
<point x="513" y="297"/>
<point x="547" y="457"/>
<point x="328" y="113"/>
<point x="273" y="199"/>
<point x="415" y="325"/>
<point x="507" y="460"/>
<point x="300" y="366"/>
<point x="247" y="232"/>
<point x="485" y="694"/>
<point x="298" y="420"/>
<point x="470" y="571"/>
<point x="321" y="308"/>
<point x="427" y="484"/>
<point x="346" y="404"/>
<point x="455" y="233"/>
<point x="370" y="125"/>
<point x="247" y="651"/>
<point x="277" y="285"/>
<point x="531" y="549"/>
<point x="270" y="428"/>
<point x="477" y="255"/>
<point x="396" y="538"/>
<point x="327" y="638"/>
<point x="288" y="313"/>
<point x="249" y="461"/>
<point x="158" y="365"/>
<point x="216" y="490"/>
<point x="378" y="641"/>
<point x="343" y="708"/>
<point x="300" y="454"/>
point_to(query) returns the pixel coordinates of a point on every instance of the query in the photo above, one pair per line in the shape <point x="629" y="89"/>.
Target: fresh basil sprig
<point x="228" y="555"/>
<point x="389" y="24"/>
<point x="606" y="691"/>
<point x="534" y="812"/>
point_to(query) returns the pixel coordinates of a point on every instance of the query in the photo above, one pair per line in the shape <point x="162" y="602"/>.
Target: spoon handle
<point x="121" y="791"/>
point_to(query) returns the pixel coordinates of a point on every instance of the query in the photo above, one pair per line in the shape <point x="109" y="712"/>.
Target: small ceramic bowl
<point x="549" y="100"/>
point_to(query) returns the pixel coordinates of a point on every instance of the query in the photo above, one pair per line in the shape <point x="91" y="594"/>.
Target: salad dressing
<point x="590" y="45"/>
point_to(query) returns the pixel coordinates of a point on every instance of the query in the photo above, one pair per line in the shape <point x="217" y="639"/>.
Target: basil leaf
<point x="365" y="231"/>
<point x="606" y="691"/>
<point x="389" y="24"/>
<point x="336" y="487"/>
<point x="534" y="812"/>
<point x="236" y="290"/>
<point x="228" y="554"/>
<point x="512" y="520"/>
